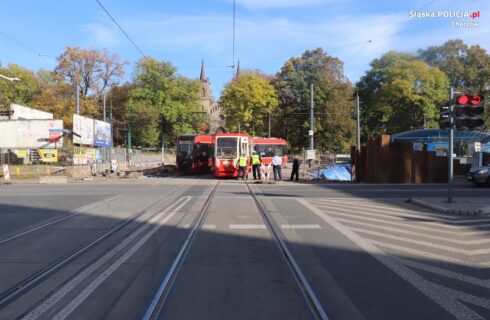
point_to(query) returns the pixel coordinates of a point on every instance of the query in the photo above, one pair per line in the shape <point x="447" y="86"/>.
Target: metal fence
<point x="81" y="156"/>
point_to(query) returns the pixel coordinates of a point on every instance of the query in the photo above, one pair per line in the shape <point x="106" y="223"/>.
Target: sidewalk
<point x="461" y="206"/>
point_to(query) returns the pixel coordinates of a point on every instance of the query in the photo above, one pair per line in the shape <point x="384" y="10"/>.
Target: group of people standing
<point x="262" y="171"/>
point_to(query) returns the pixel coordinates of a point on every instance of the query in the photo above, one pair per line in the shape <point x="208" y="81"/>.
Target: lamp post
<point x="9" y="78"/>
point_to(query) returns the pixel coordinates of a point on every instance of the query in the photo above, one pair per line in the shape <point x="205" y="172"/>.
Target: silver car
<point x="479" y="175"/>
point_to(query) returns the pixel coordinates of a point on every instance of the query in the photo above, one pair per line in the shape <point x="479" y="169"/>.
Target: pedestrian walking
<point x="242" y="167"/>
<point x="276" y="167"/>
<point x="256" y="160"/>
<point x="295" y="171"/>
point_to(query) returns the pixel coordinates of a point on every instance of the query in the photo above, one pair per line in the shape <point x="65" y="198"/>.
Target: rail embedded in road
<point x="300" y="280"/>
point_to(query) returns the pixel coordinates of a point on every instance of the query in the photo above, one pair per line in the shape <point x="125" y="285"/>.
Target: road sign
<point x="477" y="146"/>
<point x="310" y="133"/>
<point x="310" y="154"/>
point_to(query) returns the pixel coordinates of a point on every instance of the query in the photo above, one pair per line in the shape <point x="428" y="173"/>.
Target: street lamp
<point x="9" y="78"/>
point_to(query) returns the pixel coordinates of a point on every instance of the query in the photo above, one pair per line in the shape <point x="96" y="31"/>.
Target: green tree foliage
<point x="468" y="68"/>
<point x="162" y="103"/>
<point x="334" y="128"/>
<point x="21" y="92"/>
<point x="248" y="100"/>
<point x="400" y="93"/>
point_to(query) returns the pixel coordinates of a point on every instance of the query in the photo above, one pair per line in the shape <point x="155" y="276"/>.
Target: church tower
<point x="205" y="94"/>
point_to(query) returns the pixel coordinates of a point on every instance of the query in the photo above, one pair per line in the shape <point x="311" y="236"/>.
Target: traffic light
<point x="468" y="111"/>
<point x="444" y="117"/>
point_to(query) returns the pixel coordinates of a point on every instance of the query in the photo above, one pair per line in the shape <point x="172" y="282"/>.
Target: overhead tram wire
<point x="122" y="30"/>
<point x="20" y="43"/>
<point x="386" y="30"/>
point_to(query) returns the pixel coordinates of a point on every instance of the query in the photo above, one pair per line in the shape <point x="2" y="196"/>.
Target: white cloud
<point x="100" y="35"/>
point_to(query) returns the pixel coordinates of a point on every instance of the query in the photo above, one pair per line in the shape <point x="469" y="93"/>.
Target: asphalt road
<point x="106" y="250"/>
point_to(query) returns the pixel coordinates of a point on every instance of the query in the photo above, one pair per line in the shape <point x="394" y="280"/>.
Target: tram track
<point x="157" y="304"/>
<point x="168" y="282"/>
<point x="28" y="283"/>
<point x="300" y="280"/>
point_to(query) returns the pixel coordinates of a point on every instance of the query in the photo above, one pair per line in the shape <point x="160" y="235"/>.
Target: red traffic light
<point x="474" y="100"/>
<point x="462" y="100"/>
<point x="469" y="99"/>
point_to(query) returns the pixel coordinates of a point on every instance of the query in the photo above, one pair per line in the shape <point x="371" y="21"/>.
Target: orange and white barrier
<point x="6" y="173"/>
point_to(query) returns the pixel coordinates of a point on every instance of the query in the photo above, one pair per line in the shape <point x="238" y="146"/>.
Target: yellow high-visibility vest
<point x="255" y="159"/>
<point x="242" y="161"/>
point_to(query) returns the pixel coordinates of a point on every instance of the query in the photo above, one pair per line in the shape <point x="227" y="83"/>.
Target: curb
<point x="421" y="203"/>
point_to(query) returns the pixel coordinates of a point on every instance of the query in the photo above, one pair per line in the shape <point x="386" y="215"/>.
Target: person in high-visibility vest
<point x="256" y="165"/>
<point x="242" y="167"/>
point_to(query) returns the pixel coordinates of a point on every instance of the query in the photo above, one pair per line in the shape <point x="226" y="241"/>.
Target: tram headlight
<point x="226" y="163"/>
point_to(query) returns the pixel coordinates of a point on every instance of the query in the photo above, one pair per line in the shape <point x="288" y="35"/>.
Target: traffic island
<point x="459" y="206"/>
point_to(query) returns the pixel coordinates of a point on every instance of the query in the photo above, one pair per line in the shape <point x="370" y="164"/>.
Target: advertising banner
<point x="102" y="134"/>
<point x="84" y="127"/>
<point x="30" y="134"/>
<point x="48" y="155"/>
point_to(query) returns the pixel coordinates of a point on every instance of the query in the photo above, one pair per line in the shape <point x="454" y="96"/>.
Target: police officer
<point x="256" y="164"/>
<point x="242" y="167"/>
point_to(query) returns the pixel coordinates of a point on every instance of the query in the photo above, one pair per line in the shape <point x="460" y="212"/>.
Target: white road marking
<point x="390" y="208"/>
<point x="446" y="301"/>
<point x="246" y="226"/>
<point x="420" y="214"/>
<point x="414" y="233"/>
<point x="405" y="225"/>
<point x="184" y="226"/>
<point x="208" y="226"/>
<point x="430" y="255"/>
<point x="301" y="226"/>
<point x="450" y="225"/>
<point x="446" y="273"/>
<point x="63" y="291"/>
<point x="469" y="252"/>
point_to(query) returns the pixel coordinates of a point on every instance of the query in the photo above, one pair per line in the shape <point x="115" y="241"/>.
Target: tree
<point x="20" y="92"/>
<point x="400" y="93"/>
<point x="162" y="103"/>
<point x="468" y="68"/>
<point x="247" y="100"/>
<point x="450" y="58"/>
<point x="93" y="71"/>
<point x="334" y="127"/>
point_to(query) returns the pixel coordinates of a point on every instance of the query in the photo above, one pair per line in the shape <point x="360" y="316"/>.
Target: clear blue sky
<point x="268" y="32"/>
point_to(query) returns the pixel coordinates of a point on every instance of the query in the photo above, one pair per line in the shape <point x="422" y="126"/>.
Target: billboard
<point x="27" y="134"/>
<point x="84" y="127"/>
<point x="24" y="113"/>
<point x="102" y="134"/>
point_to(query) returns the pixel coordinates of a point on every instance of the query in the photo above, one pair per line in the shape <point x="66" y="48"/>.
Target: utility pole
<point x="112" y="126"/>
<point x="104" y="109"/>
<point x="358" y="117"/>
<point x="269" y="124"/>
<point x="78" y="99"/>
<point x="312" y="146"/>
<point x="450" y="148"/>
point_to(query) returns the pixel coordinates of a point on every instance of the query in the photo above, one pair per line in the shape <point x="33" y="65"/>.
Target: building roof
<point x="435" y="135"/>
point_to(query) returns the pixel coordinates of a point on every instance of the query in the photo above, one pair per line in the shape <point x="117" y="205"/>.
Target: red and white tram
<point x="266" y="148"/>
<point x="194" y="153"/>
<point x="227" y="149"/>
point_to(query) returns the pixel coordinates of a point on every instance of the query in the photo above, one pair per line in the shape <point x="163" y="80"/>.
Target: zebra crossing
<point x="445" y="257"/>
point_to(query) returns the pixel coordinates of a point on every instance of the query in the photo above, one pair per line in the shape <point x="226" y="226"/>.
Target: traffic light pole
<point x="450" y="148"/>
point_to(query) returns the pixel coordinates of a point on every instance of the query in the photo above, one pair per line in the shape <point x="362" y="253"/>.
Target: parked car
<point x="479" y="175"/>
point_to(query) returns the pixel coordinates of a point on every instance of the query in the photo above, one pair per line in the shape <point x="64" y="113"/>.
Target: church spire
<point x="203" y="72"/>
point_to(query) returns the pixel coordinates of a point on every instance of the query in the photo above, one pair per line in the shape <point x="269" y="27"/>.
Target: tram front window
<point x="184" y="149"/>
<point x="226" y="148"/>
